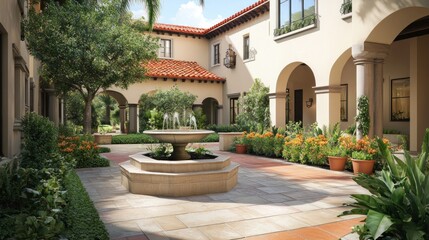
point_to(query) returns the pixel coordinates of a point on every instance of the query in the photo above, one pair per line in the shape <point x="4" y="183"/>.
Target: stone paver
<point x="272" y="200"/>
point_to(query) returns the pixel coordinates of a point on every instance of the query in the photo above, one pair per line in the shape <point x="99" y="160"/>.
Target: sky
<point x="190" y="13"/>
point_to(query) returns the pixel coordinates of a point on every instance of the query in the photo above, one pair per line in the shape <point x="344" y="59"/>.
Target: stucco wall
<point x="188" y="48"/>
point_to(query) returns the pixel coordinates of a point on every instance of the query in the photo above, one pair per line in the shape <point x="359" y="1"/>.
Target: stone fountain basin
<point x="178" y="136"/>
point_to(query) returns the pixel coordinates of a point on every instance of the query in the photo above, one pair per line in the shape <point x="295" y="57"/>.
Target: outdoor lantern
<point x="229" y="60"/>
<point x="309" y="102"/>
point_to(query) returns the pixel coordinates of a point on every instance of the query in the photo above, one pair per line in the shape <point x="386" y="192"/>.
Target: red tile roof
<point x="203" y="31"/>
<point x="178" y="29"/>
<point x="169" y="68"/>
<point x="238" y="14"/>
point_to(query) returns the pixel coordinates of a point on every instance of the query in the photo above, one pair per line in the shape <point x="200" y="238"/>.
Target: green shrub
<point x="397" y="207"/>
<point x="137" y="138"/>
<point x="82" y="220"/>
<point x="103" y="150"/>
<point x="39" y="142"/>
<point x="214" y="137"/>
<point x="227" y="128"/>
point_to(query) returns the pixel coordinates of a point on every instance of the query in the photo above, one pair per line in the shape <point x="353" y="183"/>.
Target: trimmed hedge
<point x="214" y="137"/>
<point x="227" y="128"/>
<point x="82" y="220"/>
<point x="135" y="138"/>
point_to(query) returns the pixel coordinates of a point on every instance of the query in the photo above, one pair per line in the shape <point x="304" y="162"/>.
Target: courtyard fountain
<point x="180" y="175"/>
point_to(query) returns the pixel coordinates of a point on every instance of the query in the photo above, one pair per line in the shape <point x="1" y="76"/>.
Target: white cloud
<point x="191" y="14"/>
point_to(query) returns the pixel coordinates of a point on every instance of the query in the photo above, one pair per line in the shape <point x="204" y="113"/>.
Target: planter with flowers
<point x="337" y="157"/>
<point x="364" y="155"/>
<point x="240" y="145"/>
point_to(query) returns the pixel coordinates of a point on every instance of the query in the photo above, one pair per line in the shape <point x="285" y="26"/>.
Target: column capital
<point x="369" y="51"/>
<point x="327" y="89"/>
<point x="277" y="95"/>
<point x="122" y="107"/>
<point x="132" y="105"/>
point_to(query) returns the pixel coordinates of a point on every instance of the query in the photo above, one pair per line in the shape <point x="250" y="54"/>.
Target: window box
<point x="296" y="25"/>
<point x="346" y="7"/>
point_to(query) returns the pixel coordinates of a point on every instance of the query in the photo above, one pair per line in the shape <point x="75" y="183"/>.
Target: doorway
<point x="298" y="100"/>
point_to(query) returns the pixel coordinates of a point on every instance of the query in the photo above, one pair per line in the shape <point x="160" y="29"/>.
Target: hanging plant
<point x="363" y="116"/>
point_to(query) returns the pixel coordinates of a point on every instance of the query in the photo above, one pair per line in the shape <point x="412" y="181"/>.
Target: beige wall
<point x="202" y="90"/>
<point x="18" y="70"/>
<point x="188" y="48"/>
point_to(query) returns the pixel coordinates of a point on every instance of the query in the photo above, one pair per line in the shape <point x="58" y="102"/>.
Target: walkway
<point x="272" y="200"/>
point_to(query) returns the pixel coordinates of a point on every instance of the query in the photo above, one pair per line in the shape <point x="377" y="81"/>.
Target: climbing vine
<point x="363" y="115"/>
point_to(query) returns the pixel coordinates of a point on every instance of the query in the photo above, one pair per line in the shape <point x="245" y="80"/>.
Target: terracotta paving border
<point x="272" y="200"/>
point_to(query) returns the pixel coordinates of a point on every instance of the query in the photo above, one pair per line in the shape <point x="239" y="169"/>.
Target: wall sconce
<point x="309" y="103"/>
<point x="229" y="60"/>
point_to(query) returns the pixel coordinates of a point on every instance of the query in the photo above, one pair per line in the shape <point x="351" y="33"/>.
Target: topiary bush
<point x="39" y="140"/>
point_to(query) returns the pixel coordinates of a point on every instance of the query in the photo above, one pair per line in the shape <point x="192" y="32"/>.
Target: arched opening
<point x="295" y="99"/>
<point x="404" y="76"/>
<point x="124" y="121"/>
<point x="210" y="109"/>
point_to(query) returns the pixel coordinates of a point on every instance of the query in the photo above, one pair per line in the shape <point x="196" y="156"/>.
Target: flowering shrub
<point x="266" y="144"/>
<point x="310" y="150"/>
<point x="292" y="148"/>
<point x="313" y="150"/>
<point x="83" y="150"/>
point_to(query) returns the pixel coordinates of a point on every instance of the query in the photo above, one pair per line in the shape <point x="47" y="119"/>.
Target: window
<point x="291" y="11"/>
<point x="233" y="109"/>
<point x="400" y="102"/>
<point x="246" y="49"/>
<point x="165" y="48"/>
<point x="216" y="56"/>
<point x="344" y="115"/>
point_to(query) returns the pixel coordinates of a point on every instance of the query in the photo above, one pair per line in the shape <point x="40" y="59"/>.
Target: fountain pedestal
<point x="179" y="177"/>
<point x="145" y="175"/>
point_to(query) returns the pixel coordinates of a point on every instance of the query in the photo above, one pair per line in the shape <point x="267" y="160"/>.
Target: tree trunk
<point x="87" y="115"/>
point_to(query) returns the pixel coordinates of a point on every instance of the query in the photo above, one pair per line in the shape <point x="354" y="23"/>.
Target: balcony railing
<point x="346" y="7"/>
<point x="295" y="25"/>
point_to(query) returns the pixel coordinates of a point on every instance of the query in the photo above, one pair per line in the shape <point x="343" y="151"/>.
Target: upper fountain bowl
<point x="178" y="136"/>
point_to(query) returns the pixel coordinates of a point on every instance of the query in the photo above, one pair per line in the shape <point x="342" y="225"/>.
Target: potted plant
<point x="337" y="157"/>
<point x="364" y="156"/>
<point x="240" y="145"/>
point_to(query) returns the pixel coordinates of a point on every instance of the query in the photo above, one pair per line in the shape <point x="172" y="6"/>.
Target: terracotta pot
<point x="337" y="163"/>
<point x="363" y="166"/>
<point x="240" y="148"/>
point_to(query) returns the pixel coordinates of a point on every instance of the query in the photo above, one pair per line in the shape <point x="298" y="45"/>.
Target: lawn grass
<point x="82" y="220"/>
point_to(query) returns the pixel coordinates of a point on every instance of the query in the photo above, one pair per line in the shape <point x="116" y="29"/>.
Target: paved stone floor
<point x="272" y="200"/>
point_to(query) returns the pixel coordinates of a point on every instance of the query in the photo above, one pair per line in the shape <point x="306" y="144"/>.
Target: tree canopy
<point x="86" y="47"/>
<point x="254" y="109"/>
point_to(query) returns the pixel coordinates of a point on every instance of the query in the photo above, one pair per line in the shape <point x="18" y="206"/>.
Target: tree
<point x="152" y="6"/>
<point x="86" y="47"/>
<point x="254" y="109"/>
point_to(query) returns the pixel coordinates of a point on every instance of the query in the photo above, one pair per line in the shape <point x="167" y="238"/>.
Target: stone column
<point x="369" y="81"/>
<point x="122" y="117"/>
<point x="133" y="118"/>
<point x="278" y="108"/>
<point x="328" y="105"/>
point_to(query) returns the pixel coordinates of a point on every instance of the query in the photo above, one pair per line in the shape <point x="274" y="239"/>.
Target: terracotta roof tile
<point x="236" y="15"/>
<point x="169" y="68"/>
<point x="204" y="31"/>
<point x="178" y="29"/>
